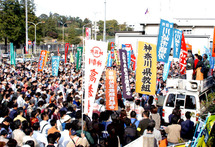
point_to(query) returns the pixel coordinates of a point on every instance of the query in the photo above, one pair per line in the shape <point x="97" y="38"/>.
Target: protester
<point x="187" y="128"/>
<point x="190" y="65"/>
<point x="173" y="131"/>
<point x="143" y="123"/>
<point x="206" y="65"/>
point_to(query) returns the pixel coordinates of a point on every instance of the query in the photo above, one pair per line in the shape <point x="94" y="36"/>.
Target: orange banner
<point x="111" y="90"/>
<point x="42" y="60"/>
<point x="213" y="49"/>
<point x="188" y="46"/>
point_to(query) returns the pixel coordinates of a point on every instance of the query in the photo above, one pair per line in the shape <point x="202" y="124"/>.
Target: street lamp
<point x="35" y="33"/>
<point x="63" y="32"/>
<point x="104" y="30"/>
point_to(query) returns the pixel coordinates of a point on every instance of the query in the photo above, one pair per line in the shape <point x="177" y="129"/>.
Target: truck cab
<point x="188" y="95"/>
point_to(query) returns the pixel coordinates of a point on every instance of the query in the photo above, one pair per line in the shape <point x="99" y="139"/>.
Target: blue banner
<point x="109" y="61"/>
<point x="164" y="41"/>
<point x="123" y="46"/>
<point x="177" y="43"/>
<point x="210" y="58"/>
<point x="166" y="70"/>
<point x="55" y="65"/>
<point x="129" y="58"/>
<point x="12" y="55"/>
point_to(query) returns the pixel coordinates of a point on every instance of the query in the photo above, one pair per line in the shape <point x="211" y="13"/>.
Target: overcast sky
<point x="129" y="11"/>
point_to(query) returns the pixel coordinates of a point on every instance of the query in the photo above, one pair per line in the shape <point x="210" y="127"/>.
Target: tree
<point x="72" y="36"/>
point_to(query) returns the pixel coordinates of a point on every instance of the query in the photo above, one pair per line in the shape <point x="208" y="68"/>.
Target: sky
<point x="130" y="11"/>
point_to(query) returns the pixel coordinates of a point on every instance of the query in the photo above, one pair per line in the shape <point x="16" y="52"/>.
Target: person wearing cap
<point x="63" y="120"/>
<point x="75" y="140"/>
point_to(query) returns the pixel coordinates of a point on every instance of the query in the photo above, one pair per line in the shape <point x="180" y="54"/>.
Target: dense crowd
<point x="38" y="110"/>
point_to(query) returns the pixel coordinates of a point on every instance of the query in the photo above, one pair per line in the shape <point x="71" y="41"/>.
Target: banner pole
<point x="82" y="99"/>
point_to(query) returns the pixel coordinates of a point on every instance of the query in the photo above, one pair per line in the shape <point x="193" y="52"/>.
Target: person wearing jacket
<point x="189" y="67"/>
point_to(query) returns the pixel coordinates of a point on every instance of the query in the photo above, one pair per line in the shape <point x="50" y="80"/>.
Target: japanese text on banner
<point x="42" y="60"/>
<point x="164" y="41"/>
<point x="177" y="43"/>
<point x="124" y="70"/>
<point x="111" y="90"/>
<point x="55" y="65"/>
<point x="96" y="52"/>
<point x="146" y="68"/>
<point x="183" y="56"/>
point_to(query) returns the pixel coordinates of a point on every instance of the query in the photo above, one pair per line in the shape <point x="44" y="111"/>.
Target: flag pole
<point x="82" y="99"/>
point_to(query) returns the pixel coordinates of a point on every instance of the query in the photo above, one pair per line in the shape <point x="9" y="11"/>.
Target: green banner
<point x="12" y="55"/>
<point x="79" y="57"/>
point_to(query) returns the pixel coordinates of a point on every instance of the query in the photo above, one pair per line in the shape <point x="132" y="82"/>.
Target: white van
<point x="186" y="94"/>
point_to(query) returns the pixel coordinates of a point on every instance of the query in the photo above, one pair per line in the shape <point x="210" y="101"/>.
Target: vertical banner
<point x="12" y="55"/>
<point x="183" y="56"/>
<point x="116" y="57"/>
<point x="87" y="33"/>
<point x="109" y="61"/>
<point x="111" y="90"/>
<point x="112" y="50"/>
<point x="124" y="70"/>
<point x="166" y="70"/>
<point x="42" y="60"/>
<point x="55" y="65"/>
<point x="213" y="49"/>
<point x="129" y="58"/>
<point x="164" y="41"/>
<point x="96" y="52"/>
<point x="177" y="43"/>
<point x="58" y="51"/>
<point x="66" y="51"/>
<point x="71" y="58"/>
<point x="188" y="46"/>
<point x="146" y="68"/>
<point x="79" y="57"/>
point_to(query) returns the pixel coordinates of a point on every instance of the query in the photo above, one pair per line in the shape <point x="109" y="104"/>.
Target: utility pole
<point x="104" y="31"/>
<point x="26" y="25"/>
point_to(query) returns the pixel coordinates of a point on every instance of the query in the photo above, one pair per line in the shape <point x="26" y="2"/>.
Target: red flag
<point x="66" y="51"/>
<point x="133" y="58"/>
<point x="87" y="33"/>
<point x="213" y="49"/>
<point x="183" y="56"/>
<point x="58" y="51"/>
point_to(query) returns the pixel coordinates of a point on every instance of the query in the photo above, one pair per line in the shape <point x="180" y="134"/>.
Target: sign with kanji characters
<point x="66" y="51"/>
<point x="71" y="58"/>
<point x="164" y="41"/>
<point x="177" y="43"/>
<point x="79" y="57"/>
<point x="126" y="89"/>
<point x="55" y="65"/>
<point x="42" y="59"/>
<point x="12" y="55"/>
<point x="146" y="71"/>
<point x="128" y="48"/>
<point x="116" y="57"/>
<point x="111" y="90"/>
<point x="183" y="56"/>
<point x="95" y="59"/>
<point x="112" y="50"/>
<point x="166" y="70"/>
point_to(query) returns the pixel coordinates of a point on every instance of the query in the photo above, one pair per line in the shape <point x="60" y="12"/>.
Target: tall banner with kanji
<point x="12" y="55"/>
<point x="111" y="90"/>
<point x="96" y="52"/>
<point x="164" y="41"/>
<point x="183" y="56"/>
<point x="166" y="70"/>
<point x="79" y="57"/>
<point x="42" y="60"/>
<point x="71" y="58"/>
<point x="126" y="89"/>
<point x="112" y="50"/>
<point x="177" y="43"/>
<point x="116" y="57"/>
<point x="128" y="48"/>
<point x="109" y="61"/>
<point x="66" y="51"/>
<point x="146" y="68"/>
<point x="55" y="65"/>
<point x="213" y="49"/>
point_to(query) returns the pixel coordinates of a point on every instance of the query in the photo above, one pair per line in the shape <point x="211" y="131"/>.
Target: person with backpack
<point x="130" y="133"/>
<point x="134" y="121"/>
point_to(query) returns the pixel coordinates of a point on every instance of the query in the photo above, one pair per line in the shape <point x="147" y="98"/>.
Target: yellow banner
<point x="146" y="68"/>
<point x="116" y="57"/>
<point x="71" y="58"/>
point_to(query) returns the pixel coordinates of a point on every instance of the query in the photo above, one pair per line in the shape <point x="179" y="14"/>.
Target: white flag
<point x="95" y="57"/>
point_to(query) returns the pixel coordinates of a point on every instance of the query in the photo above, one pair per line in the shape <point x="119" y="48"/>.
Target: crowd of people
<point x="39" y="110"/>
